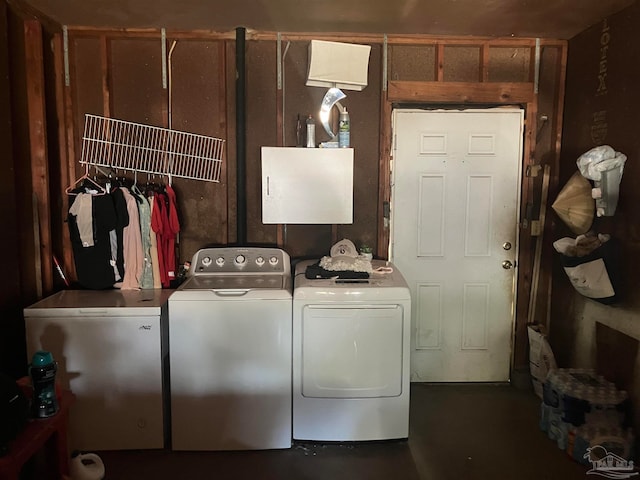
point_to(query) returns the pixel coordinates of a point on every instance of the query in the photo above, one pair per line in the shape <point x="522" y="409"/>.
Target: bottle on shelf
<point x="311" y="132"/>
<point x="344" y="129"/>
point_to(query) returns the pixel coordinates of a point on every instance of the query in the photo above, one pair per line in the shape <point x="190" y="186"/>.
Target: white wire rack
<point x="143" y="148"/>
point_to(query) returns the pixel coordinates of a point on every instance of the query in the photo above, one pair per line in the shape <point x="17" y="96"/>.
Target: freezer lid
<point x="101" y="303"/>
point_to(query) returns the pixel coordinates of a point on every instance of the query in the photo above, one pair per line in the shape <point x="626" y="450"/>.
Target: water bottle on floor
<point x="86" y="466"/>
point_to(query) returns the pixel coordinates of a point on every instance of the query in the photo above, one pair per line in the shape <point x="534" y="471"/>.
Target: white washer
<point x="230" y="351"/>
<point x="351" y="357"/>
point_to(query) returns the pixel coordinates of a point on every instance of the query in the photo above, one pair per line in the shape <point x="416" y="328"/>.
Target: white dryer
<point x="230" y="351"/>
<point x="351" y="341"/>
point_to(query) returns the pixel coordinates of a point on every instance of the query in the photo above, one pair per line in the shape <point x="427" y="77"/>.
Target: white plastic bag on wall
<point x="604" y="166"/>
<point x="592" y="264"/>
<point x="599" y="159"/>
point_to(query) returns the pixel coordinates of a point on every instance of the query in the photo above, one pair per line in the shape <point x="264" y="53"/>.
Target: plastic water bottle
<point x="87" y="466"/>
<point x="344" y="129"/>
<point x="43" y="379"/>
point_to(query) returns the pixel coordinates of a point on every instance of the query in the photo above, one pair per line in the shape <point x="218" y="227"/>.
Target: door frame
<point x="519" y="190"/>
<point x="434" y="95"/>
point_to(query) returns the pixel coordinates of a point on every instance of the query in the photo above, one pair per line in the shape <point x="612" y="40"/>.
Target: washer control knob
<point x="273" y="260"/>
<point x="220" y="261"/>
<point x="260" y="261"/>
<point x="206" y="261"/>
<point x="240" y="260"/>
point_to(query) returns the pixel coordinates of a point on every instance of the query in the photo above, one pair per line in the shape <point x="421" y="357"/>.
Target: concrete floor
<point x="457" y="432"/>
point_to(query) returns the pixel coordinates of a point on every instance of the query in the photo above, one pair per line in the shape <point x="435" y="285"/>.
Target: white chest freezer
<point x="110" y="352"/>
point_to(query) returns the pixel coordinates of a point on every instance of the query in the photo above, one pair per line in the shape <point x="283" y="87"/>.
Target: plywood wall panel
<point x="136" y="89"/>
<point x="12" y="344"/>
<point x="261" y="130"/>
<point x="86" y="83"/>
<point x="364" y="108"/>
<point x="461" y="64"/>
<point x="601" y="108"/>
<point x="412" y="62"/>
<point x="230" y="147"/>
<point x="86" y="63"/>
<point x="197" y="73"/>
<point x="509" y="64"/>
<point x="308" y="241"/>
<point x="603" y="72"/>
<point x="302" y="101"/>
<point x="299" y="100"/>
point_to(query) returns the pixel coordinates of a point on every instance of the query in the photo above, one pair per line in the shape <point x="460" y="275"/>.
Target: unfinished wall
<point x="118" y="73"/>
<point x="300" y="100"/>
<point x="601" y="107"/>
<point x="120" y="76"/>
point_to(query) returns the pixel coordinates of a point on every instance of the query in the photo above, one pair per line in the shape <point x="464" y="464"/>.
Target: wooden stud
<point x="106" y="77"/>
<point x="61" y="112"/>
<point x="439" y="73"/>
<point x="460" y="92"/>
<point x="35" y="90"/>
<point x="279" y="133"/>
<point x="384" y="175"/>
<point x="537" y="259"/>
<point x="521" y="345"/>
<point x="70" y="158"/>
<point x="484" y="62"/>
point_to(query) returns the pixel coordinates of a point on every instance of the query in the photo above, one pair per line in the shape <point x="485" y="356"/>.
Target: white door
<point x="456" y="177"/>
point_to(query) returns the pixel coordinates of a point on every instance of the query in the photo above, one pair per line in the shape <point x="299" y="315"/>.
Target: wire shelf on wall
<point x="143" y="148"/>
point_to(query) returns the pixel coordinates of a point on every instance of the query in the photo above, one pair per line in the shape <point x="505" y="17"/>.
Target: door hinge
<point x="533" y="170"/>
<point x="535" y="228"/>
<point x="538" y="225"/>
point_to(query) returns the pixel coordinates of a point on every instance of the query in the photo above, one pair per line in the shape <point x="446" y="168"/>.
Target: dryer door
<point x="352" y="352"/>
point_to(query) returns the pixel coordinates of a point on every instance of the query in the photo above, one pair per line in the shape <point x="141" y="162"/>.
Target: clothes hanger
<point x="135" y="189"/>
<point x="84" y="180"/>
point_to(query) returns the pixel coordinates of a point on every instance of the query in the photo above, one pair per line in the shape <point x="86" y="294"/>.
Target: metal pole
<point x="241" y="137"/>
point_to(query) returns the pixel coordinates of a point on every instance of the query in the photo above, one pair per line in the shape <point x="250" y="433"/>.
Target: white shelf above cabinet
<point x="307" y="185"/>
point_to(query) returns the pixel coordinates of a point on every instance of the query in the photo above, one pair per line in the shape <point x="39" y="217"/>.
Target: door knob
<point x="507" y="265"/>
